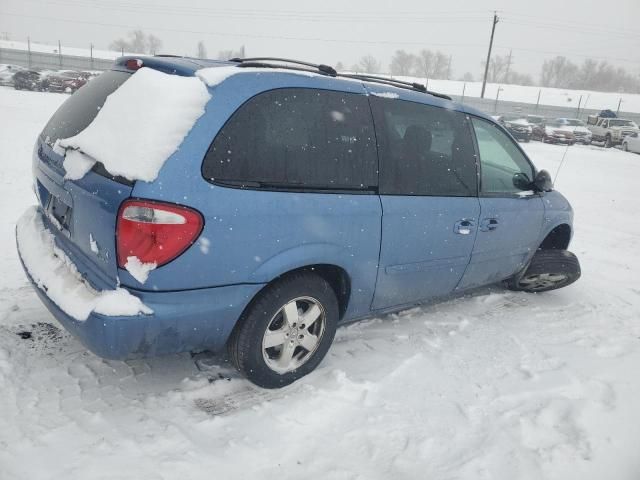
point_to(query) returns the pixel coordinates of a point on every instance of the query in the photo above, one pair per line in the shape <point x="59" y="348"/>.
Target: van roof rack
<point x="263" y="62"/>
<point x="260" y="62"/>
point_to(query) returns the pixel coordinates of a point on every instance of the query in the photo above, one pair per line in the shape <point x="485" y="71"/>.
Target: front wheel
<point x="286" y="331"/>
<point x="625" y="147"/>
<point x="548" y="270"/>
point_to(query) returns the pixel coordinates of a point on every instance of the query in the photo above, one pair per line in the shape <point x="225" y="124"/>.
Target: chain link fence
<point x="52" y="61"/>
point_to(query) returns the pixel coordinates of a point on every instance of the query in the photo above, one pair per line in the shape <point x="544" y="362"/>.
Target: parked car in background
<point x="610" y="131"/>
<point x="558" y="132"/>
<point x="28" y="80"/>
<point x="631" y="143"/>
<point x="7" y="72"/>
<point x="579" y="129"/>
<point x="64" y="81"/>
<point x="537" y="123"/>
<point x="517" y="126"/>
<point x="280" y="213"/>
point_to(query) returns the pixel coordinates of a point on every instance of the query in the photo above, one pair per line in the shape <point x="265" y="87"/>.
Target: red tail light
<point x="133" y="64"/>
<point x="155" y="232"/>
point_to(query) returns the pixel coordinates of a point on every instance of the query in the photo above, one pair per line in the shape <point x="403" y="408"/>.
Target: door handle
<point x="488" y="224"/>
<point x="464" y="226"/>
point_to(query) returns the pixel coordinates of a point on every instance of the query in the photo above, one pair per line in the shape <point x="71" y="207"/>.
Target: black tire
<point x="548" y="270"/>
<point x="607" y="142"/>
<point x="625" y="147"/>
<point x="245" y="345"/>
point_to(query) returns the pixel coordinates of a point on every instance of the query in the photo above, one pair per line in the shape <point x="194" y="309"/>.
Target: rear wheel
<point x="548" y="270"/>
<point x="607" y="142"/>
<point x="286" y="332"/>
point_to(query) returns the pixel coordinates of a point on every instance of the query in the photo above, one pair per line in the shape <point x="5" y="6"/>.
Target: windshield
<point x="616" y="122"/>
<point x="572" y="122"/>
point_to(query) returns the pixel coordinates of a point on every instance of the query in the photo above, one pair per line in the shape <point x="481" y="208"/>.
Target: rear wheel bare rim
<point x="543" y="281"/>
<point x="293" y="334"/>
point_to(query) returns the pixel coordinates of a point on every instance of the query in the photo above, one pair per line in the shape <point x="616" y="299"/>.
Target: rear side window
<point x="296" y="138"/>
<point x="424" y="150"/>
<point x="82" y="107"/>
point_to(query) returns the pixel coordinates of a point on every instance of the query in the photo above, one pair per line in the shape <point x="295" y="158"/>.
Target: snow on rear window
<point x="141" y="124"/>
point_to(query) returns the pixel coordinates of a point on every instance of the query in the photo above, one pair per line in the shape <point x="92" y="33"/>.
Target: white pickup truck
<point x="611" y="131"/>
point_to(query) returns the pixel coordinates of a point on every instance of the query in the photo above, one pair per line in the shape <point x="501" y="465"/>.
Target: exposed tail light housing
<point x="155" y="232"/>
<point x="133" y="64"/>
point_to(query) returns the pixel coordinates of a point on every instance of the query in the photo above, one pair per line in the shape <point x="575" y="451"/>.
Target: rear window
<point x="296" y="138"/>
<point x="82" y="107"/>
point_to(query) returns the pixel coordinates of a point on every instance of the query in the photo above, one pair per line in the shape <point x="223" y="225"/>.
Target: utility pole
<point x="486" y="67"/>
<point x="506" y="73"/>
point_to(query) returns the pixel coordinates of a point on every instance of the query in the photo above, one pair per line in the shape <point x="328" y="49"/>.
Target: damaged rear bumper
<point x="180" y="321"/>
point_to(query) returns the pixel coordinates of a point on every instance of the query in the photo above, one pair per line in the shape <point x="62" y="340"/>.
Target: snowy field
<point x="494" y="385"/>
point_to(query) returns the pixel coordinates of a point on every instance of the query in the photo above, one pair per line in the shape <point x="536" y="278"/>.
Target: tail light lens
<point x="155" y="232"/>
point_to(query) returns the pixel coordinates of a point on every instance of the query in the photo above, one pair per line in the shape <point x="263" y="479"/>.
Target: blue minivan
<point x="301" y="199"/>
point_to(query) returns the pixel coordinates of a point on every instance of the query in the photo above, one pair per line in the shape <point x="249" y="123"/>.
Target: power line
<point x="319" y="16"/>
<point x="252" y="35"/>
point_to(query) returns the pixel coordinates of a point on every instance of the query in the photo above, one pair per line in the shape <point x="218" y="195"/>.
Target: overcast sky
<point x="340" y="30"/>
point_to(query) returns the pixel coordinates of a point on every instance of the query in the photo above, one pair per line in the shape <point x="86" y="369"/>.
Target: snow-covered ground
<point x="494" y="385"/>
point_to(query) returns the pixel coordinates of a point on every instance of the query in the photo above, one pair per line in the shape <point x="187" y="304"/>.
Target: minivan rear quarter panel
<point x="253" y="236"/>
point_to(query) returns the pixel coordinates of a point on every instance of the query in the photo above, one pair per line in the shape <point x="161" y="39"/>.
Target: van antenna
<point x="564" y="155"/>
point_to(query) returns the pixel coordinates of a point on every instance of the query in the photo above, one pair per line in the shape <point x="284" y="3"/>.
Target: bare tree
<point x="202" y="50"/>
<point x="497" y="68"/>
<point x="440" y="65"/>
<point x="154" y="44"/>
<point x="467" y="77"/>
<point x="339" y="66"/>
<point x="368" y="64"/>
<point x="424" y="63"/>
<point x="137" y="42"/>
<point x="559" y="72"/>
<point x="402" y="63"/>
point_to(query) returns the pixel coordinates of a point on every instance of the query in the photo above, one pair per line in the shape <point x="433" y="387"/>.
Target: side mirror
<point x="543" y="181"/>
<point x="521" y="181"/>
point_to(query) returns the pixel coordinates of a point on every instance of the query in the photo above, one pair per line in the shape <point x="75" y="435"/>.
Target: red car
<point x="65" y="81"/>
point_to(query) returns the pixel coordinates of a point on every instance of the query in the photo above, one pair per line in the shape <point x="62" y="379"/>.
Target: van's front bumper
<point x="181" y="321"/>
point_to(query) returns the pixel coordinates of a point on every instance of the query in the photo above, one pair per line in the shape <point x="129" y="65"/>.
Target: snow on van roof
<point x="140" y="125"/>
<point x="213" y="76"/>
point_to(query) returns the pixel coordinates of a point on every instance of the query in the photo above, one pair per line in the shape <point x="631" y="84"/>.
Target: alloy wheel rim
<point x="543" y="281"/>
<point x="293" y="334"/>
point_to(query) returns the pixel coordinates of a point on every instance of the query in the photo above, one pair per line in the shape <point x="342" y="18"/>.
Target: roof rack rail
<point x="328" y="70"/>
<point x="397" y="83"/>
<point x="257" y="61"/>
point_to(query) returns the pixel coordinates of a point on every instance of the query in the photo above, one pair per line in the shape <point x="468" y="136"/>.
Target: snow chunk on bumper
<point x="141" y="124"/>
<point x="58" y="277"/>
